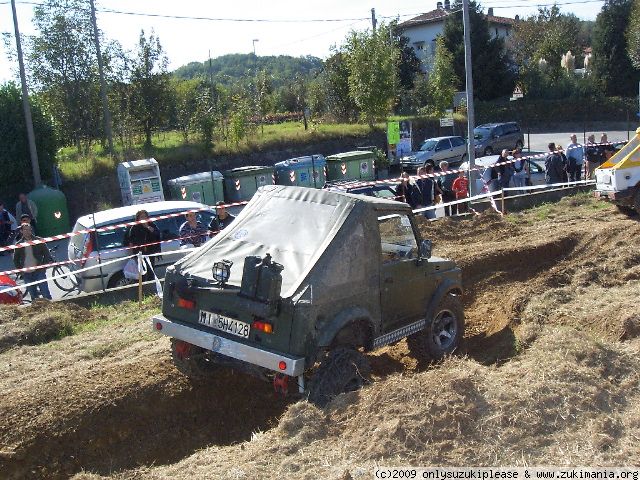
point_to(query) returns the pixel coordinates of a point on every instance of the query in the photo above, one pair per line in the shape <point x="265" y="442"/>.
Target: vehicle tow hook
<point x="281" y="384"/>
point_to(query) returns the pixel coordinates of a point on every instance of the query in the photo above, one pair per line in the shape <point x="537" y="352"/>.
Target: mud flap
<point x="281" y="384"/>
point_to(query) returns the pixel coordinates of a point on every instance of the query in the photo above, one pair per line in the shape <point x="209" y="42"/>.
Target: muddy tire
<point x="627" y="210"/>
<point x="342" y="370"/>
<point x="443" y="332"/>
<point x="191" y="360"/>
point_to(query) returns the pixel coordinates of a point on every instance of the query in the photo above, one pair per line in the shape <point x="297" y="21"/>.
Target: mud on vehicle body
<point x="303" y="283"/>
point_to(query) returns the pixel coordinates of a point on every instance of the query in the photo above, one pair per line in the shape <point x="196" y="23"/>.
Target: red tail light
<point x="265" y="327"/>
<point x="188" y="304"/>
<point x="88" y="248"/>
<point x="282" y="365"/>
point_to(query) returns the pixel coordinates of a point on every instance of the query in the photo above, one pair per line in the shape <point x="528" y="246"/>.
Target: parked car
<point x="492" y="138"/>
<point x="435" y="150"/>
<point x="536" y="171"/>
<point x="101" y="247"/>
<point x="378" y="190"/>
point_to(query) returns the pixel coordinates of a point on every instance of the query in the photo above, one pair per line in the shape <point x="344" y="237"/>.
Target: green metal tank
<point x="241" y="183"/>
<point x="350" y="166"/>
<point x="53" y="213"/>
<point x="205" y="187"/>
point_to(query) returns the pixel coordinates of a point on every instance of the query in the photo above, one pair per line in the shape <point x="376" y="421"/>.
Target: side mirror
<point x="425" y="249"/>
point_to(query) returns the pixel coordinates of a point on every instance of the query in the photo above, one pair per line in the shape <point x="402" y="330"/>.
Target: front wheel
<point x="342" y="370"/>
<point x="67" y="281"/>
<point x="629" y="211"/>
<point x="442" y="334"/>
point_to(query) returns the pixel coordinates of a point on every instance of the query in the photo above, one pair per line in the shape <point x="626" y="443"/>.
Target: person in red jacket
<point x="460" y="187"/>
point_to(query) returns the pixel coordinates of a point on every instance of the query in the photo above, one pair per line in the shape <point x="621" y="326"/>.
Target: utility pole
<point x="103" y="86"/>
<point x="33" y="152"/>
<point x="374" y="22"/>
<point x="471" y="147"/>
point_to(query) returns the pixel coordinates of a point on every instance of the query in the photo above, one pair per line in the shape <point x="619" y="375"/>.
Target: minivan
<point x="492" y="138"/>
<point x="97" y="248"/>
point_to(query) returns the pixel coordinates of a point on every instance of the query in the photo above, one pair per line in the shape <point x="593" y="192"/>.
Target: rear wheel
<point x="118" y="280"/>
<point x="627" y="210"/>
<point x="190" y="360"/>
<point x="342" y="370"/>
<point x="443" y="334"/>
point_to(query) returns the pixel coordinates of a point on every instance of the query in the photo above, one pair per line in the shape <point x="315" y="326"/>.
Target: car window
<point x="384" y="194"/>
<point x="397" y="240"/>
<point x="428" y="145"/>
<point x="443" y="145"/>
<point x="498" y="131"/>
<point x="111" y="238"/>
<point x="168" y="228"/>
<point x="457" y="141"/>
<point x="481" y="133"/>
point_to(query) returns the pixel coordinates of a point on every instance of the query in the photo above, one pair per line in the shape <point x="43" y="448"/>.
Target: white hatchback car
<point x="95" y="249"/>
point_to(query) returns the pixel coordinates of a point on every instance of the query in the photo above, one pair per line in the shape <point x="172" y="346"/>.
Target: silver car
<point x="93" y="249"/>
<point x="435" y="150"/>
<point x="492" y="138"/>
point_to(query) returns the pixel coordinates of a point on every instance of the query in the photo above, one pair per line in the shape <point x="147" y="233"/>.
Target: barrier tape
<point x="109" y="228"/>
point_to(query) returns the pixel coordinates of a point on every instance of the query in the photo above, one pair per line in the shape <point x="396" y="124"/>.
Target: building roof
<point x="440" y="14"/>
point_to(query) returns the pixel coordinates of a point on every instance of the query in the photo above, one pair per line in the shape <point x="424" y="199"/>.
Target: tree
<point x="493" y="76"/>
<point x="633" y="36"/>
<point x="265" y="89"/>
<point x="150" y="85"/>
<point x="335" y="78"/>
<point x="611" y="64"/>
<point x="408" y="63"/>
<point x="373" y="71"/>
<point x="443" y="82"/>
<point x="15" y="162"/>
<point x="63" y="65"/>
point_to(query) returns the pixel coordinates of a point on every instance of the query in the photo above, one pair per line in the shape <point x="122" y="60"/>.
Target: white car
<point x="536" y="175"/>
<point x="93" y="249"/>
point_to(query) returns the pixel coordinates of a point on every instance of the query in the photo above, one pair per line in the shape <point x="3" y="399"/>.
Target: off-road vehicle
<point x="303" y="283"/>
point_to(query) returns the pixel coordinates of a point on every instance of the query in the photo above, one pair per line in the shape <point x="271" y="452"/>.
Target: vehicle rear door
<point x="443" y="151"/>
<point x="402" y="276"/>
<point x="459" y="149"/>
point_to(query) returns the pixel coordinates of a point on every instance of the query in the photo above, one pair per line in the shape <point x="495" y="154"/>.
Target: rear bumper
<point x="229" y="348"/>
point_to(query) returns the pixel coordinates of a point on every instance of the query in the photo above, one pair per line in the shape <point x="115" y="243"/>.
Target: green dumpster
<point x="205" y="187"/>
<point x="350" y="166"/>
<point x="241" y="183"/>
<point x="306" y="171"/>
<point x="53" y="214"/>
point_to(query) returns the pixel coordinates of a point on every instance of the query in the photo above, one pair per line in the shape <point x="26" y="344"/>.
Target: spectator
<point x="520" y="169"/>
<point x="139" y="236"/>
<point x="554" y="166"/>
<point x="505" y="171"/>
<point x="606" y="148"/>
<point x="221" y="220"/>
<point x="429" y="190"/>
<point x="460" y="187"/>
<point x="565" y="164"/>
<point x="7" y="226"/>
<point x="408" y="191"/>
<point x="444" y="183"/>
<point x="575" y="156"/>
<point x="192" y="233"/>
<point x="490" y="179"/>
<point x="33" y="256"/>
<point x="594" y="156"/>
<point x="28" y="207"/>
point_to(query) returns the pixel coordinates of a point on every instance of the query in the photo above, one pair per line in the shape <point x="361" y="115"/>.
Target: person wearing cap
<point x="33" y="256"/>
<point x="575" y="156"/>
<point x="221" y="220"/>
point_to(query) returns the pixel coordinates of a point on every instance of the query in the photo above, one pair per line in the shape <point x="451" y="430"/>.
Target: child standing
<point x="460" y="187"/>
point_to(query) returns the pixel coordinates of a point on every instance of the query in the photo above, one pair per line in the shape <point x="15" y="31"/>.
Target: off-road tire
<point x="627" y="210"/>
<point x="118" y="280"/>
<point x="443" y="332"/>
<point x="342" y="370"/>
<point x="195" y="366"/>
<point x="488" y="151"/>
<point x="636" y="200"/>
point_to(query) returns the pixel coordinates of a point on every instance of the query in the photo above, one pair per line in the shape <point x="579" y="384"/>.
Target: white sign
<point x="517" y="93"/>
<point x="447" y="120"/>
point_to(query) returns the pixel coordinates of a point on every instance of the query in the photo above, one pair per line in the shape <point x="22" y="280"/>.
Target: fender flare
<point x="341" y="320"/>
<point x="447" y="287"/>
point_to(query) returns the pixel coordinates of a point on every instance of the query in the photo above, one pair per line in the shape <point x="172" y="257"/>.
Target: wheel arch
<point x="447" y="287"/>
<point x="356" y="322"/>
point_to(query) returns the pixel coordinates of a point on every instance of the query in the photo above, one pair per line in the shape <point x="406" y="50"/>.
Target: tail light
<point x="88" y="248"/>
<point x="260" y="324"/>
<point x="185" y="303"/>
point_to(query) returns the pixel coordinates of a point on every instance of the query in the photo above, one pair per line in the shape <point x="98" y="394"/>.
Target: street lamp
<point x="254" y="45"/>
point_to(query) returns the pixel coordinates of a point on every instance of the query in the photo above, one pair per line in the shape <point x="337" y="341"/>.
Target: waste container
<point x="306" y="171"/>
<point x="356" y="165"/>
<point x="204" y="187"/>
<point x="241" y="183"/>
<point x="53" y="213"/>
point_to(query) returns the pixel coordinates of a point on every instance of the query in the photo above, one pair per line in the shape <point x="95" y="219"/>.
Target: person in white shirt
<point x="575" y="155"/>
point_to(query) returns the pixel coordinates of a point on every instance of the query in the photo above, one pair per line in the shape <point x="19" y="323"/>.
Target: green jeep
<point x="302" y="284"/>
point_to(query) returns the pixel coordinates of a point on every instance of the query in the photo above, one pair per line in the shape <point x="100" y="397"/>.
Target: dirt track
<point x="108" y="400"/>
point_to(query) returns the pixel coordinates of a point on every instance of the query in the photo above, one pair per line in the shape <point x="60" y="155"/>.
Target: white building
<point x="423" y="30"/>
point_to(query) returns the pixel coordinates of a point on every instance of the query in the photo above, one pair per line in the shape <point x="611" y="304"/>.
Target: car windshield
<point x="481" y="133"/>
<point x="428" y="145"/>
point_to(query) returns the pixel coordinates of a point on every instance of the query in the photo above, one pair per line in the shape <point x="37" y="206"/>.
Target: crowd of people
<point x="511" y="169"/>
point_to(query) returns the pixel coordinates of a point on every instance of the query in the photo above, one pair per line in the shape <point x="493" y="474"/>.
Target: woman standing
<point x="143" y="238"/>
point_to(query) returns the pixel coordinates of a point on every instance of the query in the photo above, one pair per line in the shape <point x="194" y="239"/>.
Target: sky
<point x="287" y="31"/>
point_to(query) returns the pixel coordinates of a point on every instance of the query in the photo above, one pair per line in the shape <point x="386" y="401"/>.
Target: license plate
<point x="225" y="324"/>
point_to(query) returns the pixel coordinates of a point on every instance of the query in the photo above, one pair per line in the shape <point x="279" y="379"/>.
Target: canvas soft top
<point x="293" y="224"/>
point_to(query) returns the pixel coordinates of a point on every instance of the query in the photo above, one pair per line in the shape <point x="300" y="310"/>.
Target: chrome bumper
<point x="229" y="348"/>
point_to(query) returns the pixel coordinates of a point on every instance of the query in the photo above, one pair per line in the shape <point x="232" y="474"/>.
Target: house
<point x="423" y="30"/>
